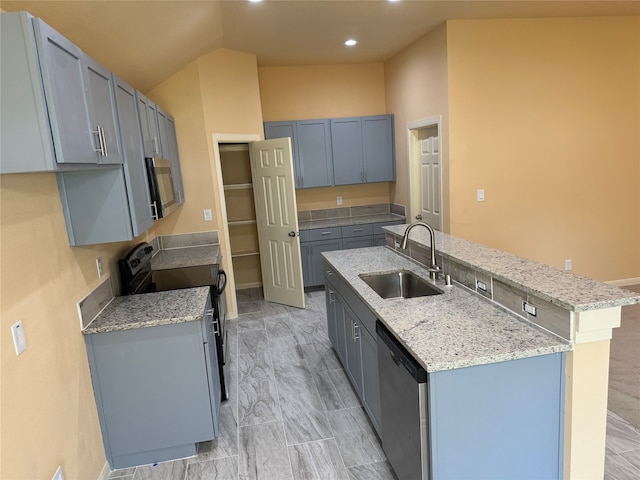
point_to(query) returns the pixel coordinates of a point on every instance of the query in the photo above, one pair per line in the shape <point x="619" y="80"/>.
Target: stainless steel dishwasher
<point x="403" y="405"/>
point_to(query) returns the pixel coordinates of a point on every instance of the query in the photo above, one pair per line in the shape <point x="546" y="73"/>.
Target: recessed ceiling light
<point x="351" y="42"/>
<point x="255" y="1"/>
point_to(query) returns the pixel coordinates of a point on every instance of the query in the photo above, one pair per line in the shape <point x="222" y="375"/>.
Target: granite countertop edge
<point x="150" y="310"/>
<point x="427" y="325"/>
<point x="346" y="221"/>
<point x="564" y="289"/>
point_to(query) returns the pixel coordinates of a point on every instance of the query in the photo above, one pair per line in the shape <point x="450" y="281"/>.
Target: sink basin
<point x="401" y="283"/>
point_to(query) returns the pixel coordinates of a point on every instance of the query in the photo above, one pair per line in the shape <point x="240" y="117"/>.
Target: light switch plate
<point x="19" y="340"/>
<point x="480" y="195"/>
<point x="339" y="200"/>
<point x="207" y="215"/>
<point x="99" y="267"/>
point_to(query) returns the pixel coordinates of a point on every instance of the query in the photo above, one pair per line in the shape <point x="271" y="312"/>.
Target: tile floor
<point x="292" y="413"/>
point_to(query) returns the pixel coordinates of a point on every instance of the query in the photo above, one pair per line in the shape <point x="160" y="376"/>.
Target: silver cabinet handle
<point x="358" y="229"/>
<point x="325" y="233"/>
<point x="104" y="142"/>
<point x="155" y="210"/>
<point x="329" y="272"/>
<point x="332" y="298"/>
<point x="155" y="145"/>
<point x="98" y="132"/>
<point x="356" y="332"/>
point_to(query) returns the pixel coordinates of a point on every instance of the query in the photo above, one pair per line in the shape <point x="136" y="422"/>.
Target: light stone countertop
<point x="167" y="259"/>
<point x="453" y="330"/>
<point x="150" y="310"/>
<point x="565" y="289"/>
<point x="346" y="221"/>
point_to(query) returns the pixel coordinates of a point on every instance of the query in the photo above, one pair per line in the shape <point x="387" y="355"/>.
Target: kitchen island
<point x="498" y="305"/>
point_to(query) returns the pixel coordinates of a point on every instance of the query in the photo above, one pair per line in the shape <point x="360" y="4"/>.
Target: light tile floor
<point x="292" y="413"/>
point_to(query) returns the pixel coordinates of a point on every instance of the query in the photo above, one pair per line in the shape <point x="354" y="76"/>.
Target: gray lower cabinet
<point x="156" y="390"/>
<point x="349" y="326"/>
<point x="315" y="241"/>
<point x="58" y="108"/>
<point x="504" y="419"/>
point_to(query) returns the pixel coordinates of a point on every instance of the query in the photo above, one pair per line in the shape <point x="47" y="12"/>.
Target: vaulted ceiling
<point x="146" y="41"/>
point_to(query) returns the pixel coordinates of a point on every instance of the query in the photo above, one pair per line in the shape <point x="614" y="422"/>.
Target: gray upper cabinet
<point x="311" y="145"/>
<point x="58" y="108"/>
<point x="346" y="141"/>
<point x="99" y="86"/>
<point x="175" y="161"/>
<point x="149" y="126"/>
<point x="378" y="149"/>
<point x="363" y="149"/>
<point x="163" y="132"/>
<point x="134" y="167"/>
<point x="314" y="153"/>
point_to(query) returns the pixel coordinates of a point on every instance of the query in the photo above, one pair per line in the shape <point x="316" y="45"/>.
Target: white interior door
<point x="277" y="219"/>
<point x="430" y="174"/>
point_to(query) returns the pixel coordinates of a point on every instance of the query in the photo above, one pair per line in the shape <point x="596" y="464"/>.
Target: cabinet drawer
<point x="357" y="230"/>
<point x="324" y="234"/>
<point x="377" y="227"/>
<point x="304" y="235"/>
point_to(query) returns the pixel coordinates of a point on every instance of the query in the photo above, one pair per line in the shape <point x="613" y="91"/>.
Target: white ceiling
<point x="146" y="41"/>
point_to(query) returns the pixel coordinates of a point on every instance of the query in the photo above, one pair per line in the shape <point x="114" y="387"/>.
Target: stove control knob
<point x="148" y="249"/>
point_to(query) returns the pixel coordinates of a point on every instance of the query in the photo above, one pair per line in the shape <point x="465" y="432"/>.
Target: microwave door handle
<point x="155" y="210"/>
<point x="223" y="275"/>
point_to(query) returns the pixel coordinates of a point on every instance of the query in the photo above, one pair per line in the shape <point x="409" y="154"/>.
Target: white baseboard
<point x="624" y="282"/>
<point x="104" y="474"/>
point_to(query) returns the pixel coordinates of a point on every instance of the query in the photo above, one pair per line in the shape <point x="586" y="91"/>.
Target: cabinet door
<point x="330" y="294"/>
<point x="346" y="145"/>
<point x="175" y="161"/>
<point x="148" y="126"/>
<point x="314" y="153"/>
<point x="102" y="104"/>
<point x="342" y="329"/>
<point x="378" y="147"/>
<point x="305" y="253"/>
<point x="67" y="103"/>
<point x="317" y="275"/>
<point x="354" y="352"/>
<point x="134" y="167"/>
<point x="370" y="382"/>
<point x="163" y="132"/>
<point x="286" y="130"/>
<point x="357" y="242"/>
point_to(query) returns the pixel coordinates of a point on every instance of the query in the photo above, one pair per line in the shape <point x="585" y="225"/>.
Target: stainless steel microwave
<point x="163" y="196"/>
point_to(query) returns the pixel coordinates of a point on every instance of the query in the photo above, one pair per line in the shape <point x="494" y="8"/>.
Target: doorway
<point x="258" y="241"/>
<point x="424" y="148"/>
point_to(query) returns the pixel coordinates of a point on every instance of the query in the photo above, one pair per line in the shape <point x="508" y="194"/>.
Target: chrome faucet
<point x="433" y="268"/>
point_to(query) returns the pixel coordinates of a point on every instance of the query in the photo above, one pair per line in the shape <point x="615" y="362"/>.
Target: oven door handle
<point x="220" y="288"/>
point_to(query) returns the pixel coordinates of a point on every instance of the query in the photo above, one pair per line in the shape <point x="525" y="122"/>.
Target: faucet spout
<point x="433" y="268"/>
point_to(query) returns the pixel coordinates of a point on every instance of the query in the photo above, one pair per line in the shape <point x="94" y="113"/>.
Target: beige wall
<point x="416" y="89"/>
<point x="326" y="91"/>
<point x="545" y="115"/>
<point x="49" y="416"/>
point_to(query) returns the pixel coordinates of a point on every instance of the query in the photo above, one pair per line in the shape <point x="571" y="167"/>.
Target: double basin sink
<point x="399" y="284"/>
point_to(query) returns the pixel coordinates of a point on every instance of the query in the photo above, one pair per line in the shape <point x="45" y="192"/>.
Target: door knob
<point x="292" y="234"/>
<point x="418" y="217"/>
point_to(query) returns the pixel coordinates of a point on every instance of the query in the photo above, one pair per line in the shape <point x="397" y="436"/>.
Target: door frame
<point x="413" y="170"/>
<point x="221" y="212"/>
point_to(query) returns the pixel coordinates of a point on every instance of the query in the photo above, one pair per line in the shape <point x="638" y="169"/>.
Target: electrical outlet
<point x="99" y="266"/>
<point x="339" y="200"/>
<point x="207" y="215"/>
<point x="480" y="195"/>
<point x="568" y="264"/>
<point x="19" y="340"/>
<point x="58" y="475"/>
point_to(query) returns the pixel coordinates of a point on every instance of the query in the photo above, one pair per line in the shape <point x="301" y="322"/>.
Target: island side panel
<point x="501" y="420"/>
<point x="587" y="379"/>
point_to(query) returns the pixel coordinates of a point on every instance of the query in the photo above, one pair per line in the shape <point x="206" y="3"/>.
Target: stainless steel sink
<point x="401" y="283"/>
